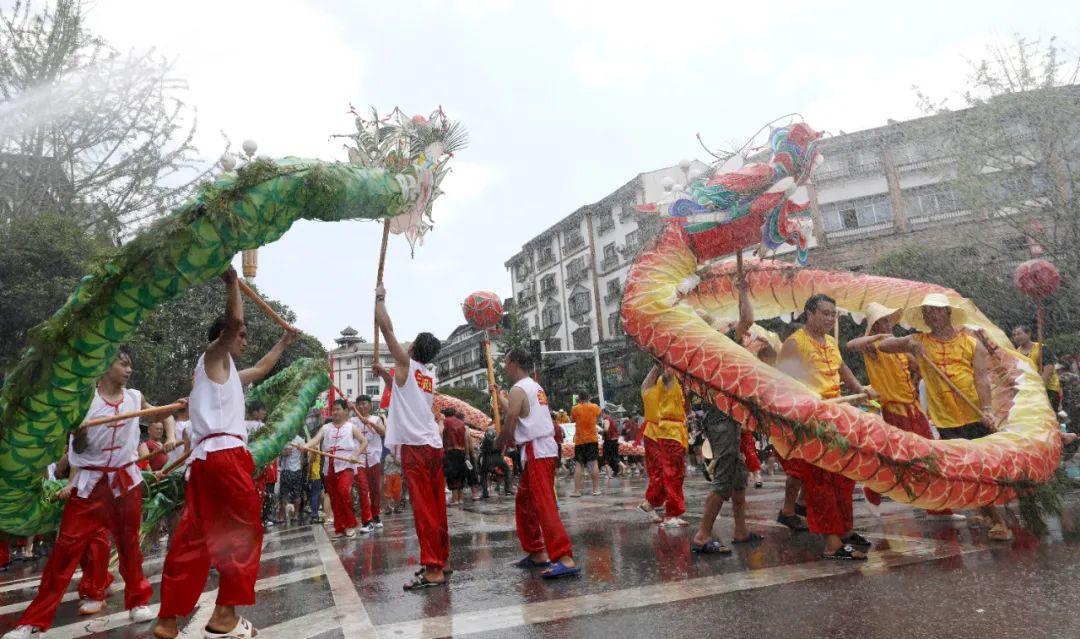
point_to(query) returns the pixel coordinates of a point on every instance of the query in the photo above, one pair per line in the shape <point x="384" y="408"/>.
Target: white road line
<point x="303" y="627"/>
<point x="121" y="619"/>
<point x="496" y="619"/>
<point x="349" y="609"/>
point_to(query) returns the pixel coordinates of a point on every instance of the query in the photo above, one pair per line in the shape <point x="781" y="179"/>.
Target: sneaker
<point x="597" y="493"/>
<point x="377" y="523"/>
<point x="674" y="522"/>
<point x="23" y="632"/>
<point x="141" y="614"/>
<point x="367" y="529"/>
<point x="18" y="555"/>
<point x="350" y="533"/>
<point x="90" y="606"/>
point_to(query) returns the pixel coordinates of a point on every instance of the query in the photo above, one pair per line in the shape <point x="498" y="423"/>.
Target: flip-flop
<point x="559" y="569"/>
<point x="711" y="547"/>
<point x="420" y="582"/>
<point x="528" y="562"/>
<point x="242" y="630"/>
<point x="751" y="538"/>
<point x="793" y="522"/>
<point x="855" y="539"/>
<point x="844" y="553"/>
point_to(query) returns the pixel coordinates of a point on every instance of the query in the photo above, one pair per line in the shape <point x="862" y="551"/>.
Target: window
<point x="553" y="344"/>
<point x="348" y="375"/>
<point x="373" y="391"/>
<point x="579" y="302"/>
<point x="833" y="165"/>
<point x="547" y="284"/>
<point x="583" y="338"/>
<point x="552" y="315"/>
<point x="545" y="255"/>
<point x="575" y="270"/>
<point x="481" y="381"/>
<point x="572" y="239"/>
<point x="856" y="213"/>
<point x="930" y="200"/>
<point x="614" y="324"/>
<point x="614" y="286"/>
<point x="607" y="223"/>
<point x="522" y="271"/>
<point x="633" y="241"/>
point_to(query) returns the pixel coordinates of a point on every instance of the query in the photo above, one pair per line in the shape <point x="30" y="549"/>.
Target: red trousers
<point x="369" y="485"/>
<point x="746" y="445"/>
<point x="221" y="523"/>
<point x="338" y="485"/>
<point x="828" y="501"/>
<point x="536" y="513"/>
<point x="424" y="479"/>
<point x="82" y="521"/>
<point x="665" y="463"/>
<point x="96" y="577"/>
<point x="5" y="553"/>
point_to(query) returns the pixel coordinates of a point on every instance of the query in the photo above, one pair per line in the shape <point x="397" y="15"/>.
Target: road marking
<point x="349" y="609"/>
<point x="303" y="627"/>
<point x="497" y="619"/>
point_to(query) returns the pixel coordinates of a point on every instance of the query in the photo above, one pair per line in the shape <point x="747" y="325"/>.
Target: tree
<point x="41" y="260"/>
<point x="1016" y="151"/>
<point x="173" y="336"/>
<point x="514" y="334"/>
<point x="83" y="130"/>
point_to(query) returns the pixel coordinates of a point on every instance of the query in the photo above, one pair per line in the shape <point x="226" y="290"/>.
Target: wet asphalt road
<point x="924" y="579"/>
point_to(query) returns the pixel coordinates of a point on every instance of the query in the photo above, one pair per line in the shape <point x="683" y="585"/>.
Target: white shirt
<point x="411" y="421"/>
<point x="338" y="440"/>
<point x="217" y="412"/>
<point x="373" y="455"/>
<point x="179" y="430"/>
<point x="537" y="428"/>
<point x="293" y="460"/>
<point x="114" y="445"/>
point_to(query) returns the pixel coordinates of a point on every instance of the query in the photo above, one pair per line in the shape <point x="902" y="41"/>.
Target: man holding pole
<point x="373" y="428"/>
<point x="529" y="425"/>
<point x="104" y="493"/>
<point x="665" y="447"/>
<point x="955" y="368"/>
<point x="221" y="521"/>
<point x="341" y="439"/>
<point x="411" y="425"/>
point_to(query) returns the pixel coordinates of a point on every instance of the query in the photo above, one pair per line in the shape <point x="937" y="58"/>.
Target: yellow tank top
<point x="891" y="378"/>
<point x="1035" y="356"/>
<point x="955" y="358"/>
<point x="821" y="363"/>
<point x="665" y="411"/>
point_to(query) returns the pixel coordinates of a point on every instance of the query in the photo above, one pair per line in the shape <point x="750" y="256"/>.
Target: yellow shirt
<point x="955" y="358"/>
<point x="891" y="378"/>
<point x="665" y="411"/>
<point x="1035" y="356"/>
<point x="821" y="363"/>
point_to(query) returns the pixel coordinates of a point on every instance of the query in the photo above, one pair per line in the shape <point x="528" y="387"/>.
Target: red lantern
<point x="483" y="310"/>
<point x="1037" y="278"/>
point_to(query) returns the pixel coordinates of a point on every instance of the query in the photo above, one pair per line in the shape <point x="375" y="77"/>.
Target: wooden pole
<point x="157" y="410"/>
<point x="356" y="410"/>
<point x="347" y="460"/>
<point x="948" y="382"/>
<point x="491" y="381"/>
<point x="266" y="308"/>
<point x="378" y="282"/>
<point x="1039" y="323"/>
<point x="178" y="462"/>
<point x="846" y="399"/>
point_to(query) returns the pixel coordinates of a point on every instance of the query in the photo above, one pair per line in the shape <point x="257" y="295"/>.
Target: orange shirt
<point x="891" y="377"/>
<point x="665" y="411"/>
<point x="821" y="363"/>
<point x="584" y="416"/>
<point x="955" y="358"/>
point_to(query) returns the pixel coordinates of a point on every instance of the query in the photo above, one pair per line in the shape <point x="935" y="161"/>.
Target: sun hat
<point x="913" y="316"/>
<point x="875" y="312"/>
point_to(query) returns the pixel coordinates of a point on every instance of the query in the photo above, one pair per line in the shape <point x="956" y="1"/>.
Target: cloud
<point x="466" y="182"/>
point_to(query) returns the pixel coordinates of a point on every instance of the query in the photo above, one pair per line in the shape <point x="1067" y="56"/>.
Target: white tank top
<point x="217" y="412"/>
<point x="339" y="440"/>
<point x="373" y="455"/>
<point x="114" y="445"/>
<point x="411" y="421"/>
<point x="181" y="428"/>
<point x="537" y="428"/>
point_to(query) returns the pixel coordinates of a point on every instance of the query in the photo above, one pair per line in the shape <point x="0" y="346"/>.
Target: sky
<point x="564" y="101"/>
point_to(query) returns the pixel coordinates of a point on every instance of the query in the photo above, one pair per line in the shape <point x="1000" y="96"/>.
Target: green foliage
<point x="475" y="397"/>
<point x="515" y="334"/>
<point x="41" y="259"/>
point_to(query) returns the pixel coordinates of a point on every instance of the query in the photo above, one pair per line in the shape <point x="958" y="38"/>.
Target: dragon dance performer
<point x="411" y="425"/>
<point x="1021" y="339"/>
<point x="962" y="359"/>
<point x="894" y="376"/>
<point x="104" y="493"/>
<point x="221" y="521"/>
<point x="374" y="429"/>
<point x="812" y="355"/>
<point x="665" y="446"/>
<point x="341" y="437"/>
<point x="530" y="427"/>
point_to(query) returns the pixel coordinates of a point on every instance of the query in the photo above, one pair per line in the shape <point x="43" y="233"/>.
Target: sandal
<point x="1000" y="532"/>
<point x="420" y="582"/>
<point x="559" y="569"/>
<point x="242" y="630"/>
<point x="845" y="553"/>
<point x="711" y="547"/>
<point x="793" y="522"/>
<point x="855" y="539"/>
<point x="749" y="539"/>
<point x="528" y="562"/>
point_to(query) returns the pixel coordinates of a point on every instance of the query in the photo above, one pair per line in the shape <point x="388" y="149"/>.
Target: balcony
<point x="606" y="225"/>
<point x="572" y="243"/>
<point x="609" y="263"/>
<point x="859" y="232"/>
<point x="947" y="217"/>
<point x="630" y="250"/>
<point x="546" y="258"/>
<point x="526" y="301"/>
<point x="522" y="274"/>
<point x="575" y="276"/>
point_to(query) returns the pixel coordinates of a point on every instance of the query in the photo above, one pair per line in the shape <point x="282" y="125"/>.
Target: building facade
<point x="461" y="359"/>
<point x="351" y="361"/>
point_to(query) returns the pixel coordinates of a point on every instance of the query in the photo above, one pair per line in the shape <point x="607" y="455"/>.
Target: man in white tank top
<point x="528" y="424"/>
<point x="369" y="474"/>
<point x="104" y="493"/>
<point x="221" y="521"/>
<point x="343" y="439"/>
<point x="411" y="425"/>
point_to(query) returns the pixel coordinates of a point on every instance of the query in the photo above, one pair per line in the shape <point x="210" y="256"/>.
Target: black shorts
<point x="292" y="485"/>
<point x="975" y="430"/>
<point x="455" y="470"/>
<point x="611" y="450"/>
<point x="585" y="453"/>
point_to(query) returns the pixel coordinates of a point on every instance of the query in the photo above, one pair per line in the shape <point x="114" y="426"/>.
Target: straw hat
<point x="913" y="316"/>
<point x="875" y="312"/>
